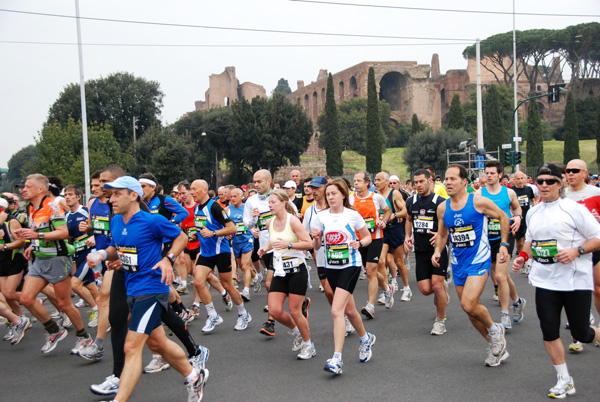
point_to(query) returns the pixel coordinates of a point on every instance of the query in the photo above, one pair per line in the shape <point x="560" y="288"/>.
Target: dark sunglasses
<point x="574" y="171"/>
<point x="548" y="181"/>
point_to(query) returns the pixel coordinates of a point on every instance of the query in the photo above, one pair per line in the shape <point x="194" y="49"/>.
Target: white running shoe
<point x="349" y="328"/>
<point x="381" y="299"/>
<point x="364" y="350"/>
<point x="505" y="321"/>
<point x="211" y="323"/>
<point x="108" y="387"/>
<point x="439" y="328"/>
<point x="64" y="321"/>
<point x="245" y="295"/>
<point x="243" y="321"/>
<point x="564" y="386"/>
<point x="494" y="361"/>
<point x="227" y="301"/>
<point x="307" y="352"/>
<point x="196" y="389"/>
<point x="81" y="303"/>
<point x="93" y="318"/>
<point x="297" y="343"/>
<point x="389" y="297"/>
<point x="53" y="339"/>
<point x="498" y="341"/>
<point x="334" y="366"/>
<point x="157" y="364"/>
<point x="81" y="344"/>
<point x="406" y="294"/>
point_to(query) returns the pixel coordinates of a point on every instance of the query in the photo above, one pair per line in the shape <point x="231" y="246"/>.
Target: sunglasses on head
<point x="548" y="181"/>
<point x="574" y="171"/>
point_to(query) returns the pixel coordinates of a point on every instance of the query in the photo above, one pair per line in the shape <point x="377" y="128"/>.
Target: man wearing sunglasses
<point x="577" y="190"/>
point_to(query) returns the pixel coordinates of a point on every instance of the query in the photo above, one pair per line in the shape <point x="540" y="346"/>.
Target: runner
<point x="338" y="226"/>
<point x="136" y="244"/>
<point x="290" y="189"/>
<point x="423" y="220"/>
<point x="560" y="238"/>
<point x="308" y="198"/>
<point x="288" y="239"/>
<point x="212" y="227"/>
<point x="369" y="205"/>
<point x="506" y="200"/>
<point x="242" y="241"/>
<point x="526" y="199"/>
<point x="464" y="217"/>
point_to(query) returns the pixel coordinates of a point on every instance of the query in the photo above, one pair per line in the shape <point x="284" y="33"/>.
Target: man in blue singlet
<point x="242" y="240"/>
<point x="463" y="217"/>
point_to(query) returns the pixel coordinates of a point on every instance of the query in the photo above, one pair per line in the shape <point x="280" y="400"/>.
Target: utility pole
<point x="86" y="158"/>
<point x="480" y="144"/>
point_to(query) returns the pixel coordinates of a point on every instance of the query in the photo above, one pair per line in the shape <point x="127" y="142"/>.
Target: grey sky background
<point x="32" y="75"/>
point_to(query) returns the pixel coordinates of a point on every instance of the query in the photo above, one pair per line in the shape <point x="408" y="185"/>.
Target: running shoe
<point x="19" y="330"/>
<point x="257" y="285"/>
<point x="446" y="285"/>
<point x="266" y="308"/>
<point x="268" y="328"/>
<point x="93" y="318"/>
<point x="407" y="263"/>
<point x="108" y="387"/>
<point x="199" y="361"/>
<point x="157" y="364"/>
<point x="243" y="321"/>
<point x="498" y="341"/>
<point x="368" y="311"/>
<point x="389" y="298"/>
<point x="364" y="350"/>
<point x="10" y="333"/>
<point x="64" y="321"/>
<point x="53" y="339"/>
<point x="227" y="301"/>
<point x="321" y="288"/>
<point x="439" y="327"/>
<point x="81" y="303"/>
<point x="182" y="289"/>
<point x="362" y="276"/>
<point x="576" y="346"/>
<point x="334" y="366"/>
<point x="495" y="295"/>
<point x="211" y="323"/>
<point x="307" y="352"/>
<point x="81" y="343"/>
<point x="518" y="308"/>
<point x="381" y="299"/>
<point x="305" y="307"/>
<point x="564" y="386"/>
<point x="349" y="328"/>
<point x="505" y="320"/>
<point x="494" y="361"/>
<point x="406" y="294"/>
<point x="92" y="353"/>
<point x="592" y="319"/>
<point x="245" y="295"/>
<point x="236" y="283"/>
<point x="297" y="343"/>
<point x="186" y="316"/>
<point x="196" y="389"/>
<point x="196" y="310"/>
<point x="54" y="315"/>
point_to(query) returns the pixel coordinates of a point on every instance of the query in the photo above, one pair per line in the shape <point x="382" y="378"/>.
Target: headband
<point x="148" y="181"/>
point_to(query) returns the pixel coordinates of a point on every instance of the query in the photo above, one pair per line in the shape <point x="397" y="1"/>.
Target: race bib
<point x="523" y="200"/>
<point x="80" y="243"/>
<point x="200" y="221"/>
<point x="262" y="220"/>
<point x="423" y="224"/>
<point x="128" y="257"/>
<point x="190" y="232"/>
<point x="494" y="228"/>
<point x="101" y="225"/>
<point x="337" y="254"/>
<point x="240" y="229"/>
<point x="544" y="251"/>
<point x="463" y="236"/>
<point x="370" y="222"/>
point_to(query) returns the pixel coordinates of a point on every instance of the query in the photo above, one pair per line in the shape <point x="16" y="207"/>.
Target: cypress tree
<point x="416" y="127"/>
<point x="330" y="134"/>
<point x="598" y="134"/>
<point x="374" y="136"/>
<point x="571" y="130"/>
<point x="456" y="116"/>
<point x="492" y="119"/>
<point x="535" y="140"/>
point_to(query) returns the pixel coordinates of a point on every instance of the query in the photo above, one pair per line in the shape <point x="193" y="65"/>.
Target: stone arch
<point x="306" y="105"/>
<point x="323" y="95"/>
<point x="353" y="87"/>
<point x="315" y="106"/>
<point x="341" y="90"/>
<point x="392" y="89"/>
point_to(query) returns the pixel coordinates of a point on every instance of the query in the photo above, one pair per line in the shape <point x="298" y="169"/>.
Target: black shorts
<point x="13" y="266"/>
<point x="372" y="252"/>
<point x="192" y="253"/>
<point x="268" y="261"/>
<point x="596" y="257"/>
<point x="425" y="268"/>
<point x="495" y="246"/>
<point x="221" y="261"/>
<point x="255" y="256"/>
<point x="522" y="230"/>
<point x="321" y="273"/>
<point x="393" y="237"/>
<point x="295" y="284"/>
<point x="344" y="278"/>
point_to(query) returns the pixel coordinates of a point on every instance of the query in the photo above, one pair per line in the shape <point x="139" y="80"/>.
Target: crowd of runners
<point x="129" y="252"/>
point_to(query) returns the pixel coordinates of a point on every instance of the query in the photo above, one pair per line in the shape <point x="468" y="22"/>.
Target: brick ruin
<point x="225" y="88"/>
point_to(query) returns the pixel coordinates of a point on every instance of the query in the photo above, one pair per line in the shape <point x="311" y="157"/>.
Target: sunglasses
<point x="574" y="171"/>
<point x="547" y="181"/>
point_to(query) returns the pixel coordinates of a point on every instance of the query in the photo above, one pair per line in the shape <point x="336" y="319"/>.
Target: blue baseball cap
<point x="128" y="182"/>
<point x="318" y="181"/>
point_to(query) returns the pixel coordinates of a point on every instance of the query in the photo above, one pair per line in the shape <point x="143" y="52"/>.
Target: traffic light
<point x="554" y="93"/>
<point x="508" y="158"/>
<point x="518" y="157"/>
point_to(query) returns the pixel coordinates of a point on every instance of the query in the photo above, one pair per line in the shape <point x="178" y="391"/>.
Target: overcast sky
<point x="33" y="74"/>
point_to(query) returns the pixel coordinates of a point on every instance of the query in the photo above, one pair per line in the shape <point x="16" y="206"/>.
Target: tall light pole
<point x="516" y="101"/>
<point x="216" y="165"/>
<point x="480" y="144"/>
<point x="86" y="158"/>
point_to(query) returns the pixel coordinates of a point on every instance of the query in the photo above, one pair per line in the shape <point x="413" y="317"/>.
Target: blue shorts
<point x="84" y="272"/>
<point x="393" y="237"/>
<point x="461" y="272"/>
<point x="146" y="311"/>
<point x="243" y="248"/>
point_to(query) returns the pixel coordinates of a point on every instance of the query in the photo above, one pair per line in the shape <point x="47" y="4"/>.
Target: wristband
<point x="103" y="255"/>
<point x="507" y="245"/>
<point x="524" y="255"/>
<point x="41" y="236"/>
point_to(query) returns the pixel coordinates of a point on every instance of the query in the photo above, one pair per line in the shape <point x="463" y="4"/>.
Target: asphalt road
<point x="408" y="363"/>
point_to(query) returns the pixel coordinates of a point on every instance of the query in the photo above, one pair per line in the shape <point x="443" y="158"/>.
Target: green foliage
<point x="494" y="133"/>
<point x="23" y="163"/>
<point x="113" y="101"/>
<point x="587" y="116"/>
<point x="60" y="151"/>
<point x="330" y="135"/>
<point x="598" y="133"/>
<point x="456" y="116"/>
<point x="571" y="131"/>
<point x="503" y="96"/>
<point x="374" y="139"/>
<point x="282" y="87"/>
<point x="535" y="140"/>
<point x="429" y="148"/>
<point x="415" y="127"/>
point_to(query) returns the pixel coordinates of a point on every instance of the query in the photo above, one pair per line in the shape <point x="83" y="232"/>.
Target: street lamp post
<point x="216" y="165"/>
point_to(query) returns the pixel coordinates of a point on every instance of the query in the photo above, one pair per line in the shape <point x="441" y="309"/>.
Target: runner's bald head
<point x="201" y="183"/>
<point x="264" y="174"/>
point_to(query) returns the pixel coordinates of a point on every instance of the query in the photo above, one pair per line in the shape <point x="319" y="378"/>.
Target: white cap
<point x="289" y="184"/>
<point x="394" y="177"/>
<point x="3" y="203"/>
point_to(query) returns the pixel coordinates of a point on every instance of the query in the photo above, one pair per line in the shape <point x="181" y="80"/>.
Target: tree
<point x="23" y="163"/>
<point x="456" y="116"/>
<point x="535" y="139"/>
<point x="374" y="133"/>
<point x="494" y="133"/>
<point x="429" y="148"/>
<point x="282" y="87"/>
<point x="587" y="115"/>
<point x="115" y="101"/>
<point x="330" y="135"/>
<point x="496" y="56"/>
<point x="60" y="151"/>
<point x="571" y="131"/>
<point x="416" y="128"/>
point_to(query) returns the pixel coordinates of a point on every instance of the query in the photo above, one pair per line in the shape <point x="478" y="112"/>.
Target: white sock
<point x="307" y="343"/>
<point x="95" y="308"/>
<point x="246" y="290"/>
<point x="364" y="338"/>
<point x="183" y="283"/>
<point x="192" y="377"/>
<point x="241" y="310"/>
<point x="370" y="305"/>
<point x="493" y="329"/>
<point x="337" y="356"/>
<point x="224" y="292"/>
<point x="295" y="331"/>
<point x="561" y="369"/>
<point x="210" y="309"/>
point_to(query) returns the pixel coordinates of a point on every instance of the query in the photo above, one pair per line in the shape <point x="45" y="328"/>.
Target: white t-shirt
<point x="552" y="227"/>
<point x="262" y="203"/>
<point x="587" y="192"/>
<point x="338" y="231"/>
<point x="309" y="217"/>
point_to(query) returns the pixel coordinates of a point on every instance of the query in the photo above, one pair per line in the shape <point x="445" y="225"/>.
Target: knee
<point x="10" y="294"/>
<point x="337" y="313"/>
<point x="154" y="345"/>
<point x="468" y="306"/>
<point x="275" y="310"/>
<point x="438" y="288"/>
<point x="27" y="300"/>
<point x="130" y="347"/>
<point x="64" y="304"/>
<point x="597" y="291"/>
<point x="499" y="277"/>
<point x="426" y="289"/>
<point x="200" y="283"/>
<point x="584" y="334"/>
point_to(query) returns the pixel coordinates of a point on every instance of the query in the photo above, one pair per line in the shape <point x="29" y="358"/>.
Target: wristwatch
<point x="41" y="236"/>
<point x="171" y="258"/>
<point x="214" y="233"/>
<point x="581" y="250"/>
<point x="289" y="245"/>
<point x="507" y="245"/>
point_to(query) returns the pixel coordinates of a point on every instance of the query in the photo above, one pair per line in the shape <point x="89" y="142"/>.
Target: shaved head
<point x="265" y="174"/>
<point x="200" y="183"/>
